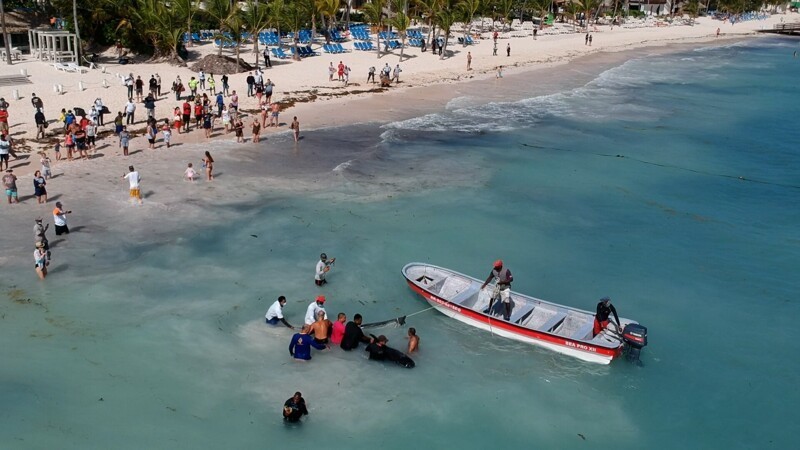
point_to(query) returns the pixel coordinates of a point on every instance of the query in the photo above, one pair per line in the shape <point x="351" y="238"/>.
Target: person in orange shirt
<point x="60" y="219"/>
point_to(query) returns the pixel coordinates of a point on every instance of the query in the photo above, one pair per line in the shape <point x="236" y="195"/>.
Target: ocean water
<point x="669" y="182"/>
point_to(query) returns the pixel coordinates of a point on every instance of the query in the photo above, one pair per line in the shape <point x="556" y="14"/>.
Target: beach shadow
<point x="78" y="228"/>
<point x="53" y="198"/>
<point x="148" y="194"/>
<point x="17" y="133"/>
<point x="217" y="174"/>
<point x="175" y="145"/>
<point x="58" y="268"/>
<point x="54" y="244"/>
<point x="22" y="198"/>
<point x="97" y="155"/>
<point x="27" y="163"/>
<point x="56" y="175"/>
<point x="134" y="152"/>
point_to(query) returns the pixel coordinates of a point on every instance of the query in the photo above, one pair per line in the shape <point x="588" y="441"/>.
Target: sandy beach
<point x="427" y="83"/>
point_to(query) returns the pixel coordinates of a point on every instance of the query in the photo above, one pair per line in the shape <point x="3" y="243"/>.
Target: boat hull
<point x="559" y="344"/>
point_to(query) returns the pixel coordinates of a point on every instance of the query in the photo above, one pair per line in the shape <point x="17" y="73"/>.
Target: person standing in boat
<point x="323" y="267"/>
<point x="502" y="288"/>
<point x="604" y="310"/>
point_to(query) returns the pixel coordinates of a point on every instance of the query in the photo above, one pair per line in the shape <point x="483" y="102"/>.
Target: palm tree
<point x="294" y="15"/>
<point x="328" y="9"/>
<point x="374" y="14"/>
<point x="275" y="16"/>
<point x="470" y="8"/>
<point x="587" y="6"/>
<point x="504" y="9"/>
<point x="256" y="17"/>
<point x="401" y="22"/>
<point x="445" y="19"/>
<point x="77" y="31"/>
<point x="220" y="12"/>
<point x="572" y="10"/>
<point x="692" y="7"/>
<point x="539" y="8"/>
<point x="429" y="9"/>
<point x="187" y="10"/>
<point x="237" y="25"/>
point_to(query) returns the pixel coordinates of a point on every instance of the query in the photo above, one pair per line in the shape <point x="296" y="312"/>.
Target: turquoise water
<point x="628" y="186"/>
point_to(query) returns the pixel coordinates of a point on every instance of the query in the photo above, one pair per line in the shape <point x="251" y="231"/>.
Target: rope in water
<point x="669" y="166"/>
<point x="419" y="312"/>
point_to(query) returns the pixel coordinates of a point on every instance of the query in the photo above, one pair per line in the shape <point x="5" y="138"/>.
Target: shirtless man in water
<point x="321" y="329"/>
<point x="413" y="341"/>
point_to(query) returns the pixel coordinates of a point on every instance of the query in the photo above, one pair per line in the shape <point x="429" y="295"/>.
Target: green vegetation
<point x="157" y="27"/>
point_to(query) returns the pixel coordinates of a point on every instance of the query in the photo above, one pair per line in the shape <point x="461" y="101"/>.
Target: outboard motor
<point x="635" y="336"/>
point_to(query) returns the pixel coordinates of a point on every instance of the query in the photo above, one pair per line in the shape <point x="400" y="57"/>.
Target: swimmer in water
<point x="413" y="341"/>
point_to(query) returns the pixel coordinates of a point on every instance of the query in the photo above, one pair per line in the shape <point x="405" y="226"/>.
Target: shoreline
<point x="171" y="202"/>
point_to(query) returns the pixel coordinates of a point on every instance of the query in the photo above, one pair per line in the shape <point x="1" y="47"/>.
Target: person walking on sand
<point x="331" y="71"/>
<point x="139" y="88"/>
<point x="276" y="108"/>
<point x="5" y="150"/>
<point x="41" y="124"/>
<point x="167" y="132"/>
<point x="346" y="75"/>
<point x="340" y="71"/>
<point x="45" y="162"/>
<point x="189" y="174"/>
<point x="371" y="74"/>
<point x="124" y="140"/>
<point x="494" y="49"/>
<point x="39" y="190"/>
<point x="590" y="40"/>
<point x="256" y="129"/>
<point x="269" y="86"/>
<point x="251" y="81"/>
<point x="40" y="260"/>
<point x="717" y="32"/>
<point x="469" y="60"/>
<point x="296" y="129"/>
<point x="508" y="49"/>
<point x="10" y="183"/>
<point x="60" y="219"/>
<point x="208" y="164"/>
<point x="134" y="179"/>
<point x="130" y="111"/>
<point x="396" y="74"/>
<point x="202" y="78"/>
<point x="586" y="39"/>
<point x="238" y="130"/>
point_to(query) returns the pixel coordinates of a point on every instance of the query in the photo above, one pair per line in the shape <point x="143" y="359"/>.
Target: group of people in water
<point x="319" y="332"/>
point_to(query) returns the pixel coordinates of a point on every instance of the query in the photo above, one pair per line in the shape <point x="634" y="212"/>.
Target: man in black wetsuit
<point x="604" y="309"/>
<point x="353" y="334"/>
<point x="294" y="408"/>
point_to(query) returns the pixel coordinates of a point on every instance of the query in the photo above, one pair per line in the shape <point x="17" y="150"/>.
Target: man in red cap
<point x="502" y="288"/>
<point x="315" y="307"/>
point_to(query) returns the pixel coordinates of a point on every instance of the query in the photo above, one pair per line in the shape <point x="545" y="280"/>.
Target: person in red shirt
<point x="187" y="115"/>
<point x="198" y="114"/>
<point x="3" y="121"/>
<point x="341" y="71"/>
<point x="338" y="329"/>
<point x="84" y="122"/>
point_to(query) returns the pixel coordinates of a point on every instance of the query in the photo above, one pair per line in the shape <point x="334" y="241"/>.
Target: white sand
<point x="95" y="191"/>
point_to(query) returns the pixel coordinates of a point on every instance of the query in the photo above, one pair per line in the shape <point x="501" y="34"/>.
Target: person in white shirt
<point x="323" y="266"/>
<point x="60" y="219"/>
<point x="130" y="110"/>
<point x="314" y="308"/>
<point x="134" y="179"/>
<point x="190" y="174"/>
<point x="275" y="313"/>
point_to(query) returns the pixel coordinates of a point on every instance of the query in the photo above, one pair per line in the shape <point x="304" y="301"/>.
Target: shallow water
<point x="628" y="186"/>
